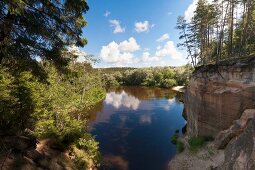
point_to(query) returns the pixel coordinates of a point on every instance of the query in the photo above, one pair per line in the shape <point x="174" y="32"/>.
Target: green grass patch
<point x="179" y="146"/>
<point x="174" y="139"/>
<point x="196" y="143"/>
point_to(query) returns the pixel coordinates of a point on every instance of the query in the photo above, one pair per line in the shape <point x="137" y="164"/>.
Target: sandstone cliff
<point x="220" y="102"/>
<point x="216" y="96"/>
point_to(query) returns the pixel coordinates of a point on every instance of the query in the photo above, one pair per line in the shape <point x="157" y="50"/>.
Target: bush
<point x="167" y="83"/>
<point x="197" y="142"/>
<point x="50" y="109"/>
<point x="179" y="146"/>
<point x="174" y="138"/>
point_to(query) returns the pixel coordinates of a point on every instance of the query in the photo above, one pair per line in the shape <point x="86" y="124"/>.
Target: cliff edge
<point x="220" y="103"/>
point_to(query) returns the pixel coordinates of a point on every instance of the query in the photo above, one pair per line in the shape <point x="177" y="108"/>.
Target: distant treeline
<point x="154" y="76"/>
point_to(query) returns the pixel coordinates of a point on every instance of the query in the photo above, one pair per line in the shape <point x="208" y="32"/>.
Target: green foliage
<point x="174" y="138"/>
<point x="180" y="146"/>
<point x="197" y="142"/>
<point x="215" y="33"/>
<point x="158" y="77"/>
<point x="177" y="141"/>
<point x="48" y="109"/>
<point x="32" y="29"/>
<point x="169" y="83"/>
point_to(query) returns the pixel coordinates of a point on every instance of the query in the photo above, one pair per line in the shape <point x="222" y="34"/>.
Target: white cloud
<point x="170" y="50"/>
<point x="159" y="47"/>
<point x="81" y="55"/>
<point x="107" y="13"/>
<point x="117" y="27"/>
<point x="142" y="26"/>
<point x="148" y="58"/>
<point x="146" y="49"/>
<point x="121" y="53"/>
<point x="118" y="100"/>
<point x="129" y="45"/>
<point x="169" y="104"/>
<point x="163" y="38"/>
<point x="145" y="119"/>
<point x="189" y="13"/>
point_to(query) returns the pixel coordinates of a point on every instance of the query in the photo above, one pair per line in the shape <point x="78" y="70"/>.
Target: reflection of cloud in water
<point x="169" y="104"/>
<point x="145" y="119"/>
<point x="117" y="161"/>
<point x="122" y="99"/>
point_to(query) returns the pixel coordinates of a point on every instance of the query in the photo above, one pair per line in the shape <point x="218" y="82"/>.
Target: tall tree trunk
<point x="231" y="27"/>
<point x="5" y="32"/>
<point x="247" y="22"/>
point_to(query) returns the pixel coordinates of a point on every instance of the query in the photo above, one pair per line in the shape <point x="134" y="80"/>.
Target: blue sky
<point x="136" y="33"/>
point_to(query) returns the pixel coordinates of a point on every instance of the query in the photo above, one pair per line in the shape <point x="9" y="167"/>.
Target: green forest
<point x="219" y="31"/>
<point x="46" y="93"/>
<point x="165" y="77"/>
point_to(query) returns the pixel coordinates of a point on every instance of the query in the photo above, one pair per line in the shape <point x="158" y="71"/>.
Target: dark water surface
<point x="134" y="127"/>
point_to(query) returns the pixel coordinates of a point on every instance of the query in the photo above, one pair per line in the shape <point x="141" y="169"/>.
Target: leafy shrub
<point x="167" y="83"/>
<point x="197" y="142"/>
<point x="48" y="109"/>
<point x="179" y="146"/>
<point x="174" y="138"/>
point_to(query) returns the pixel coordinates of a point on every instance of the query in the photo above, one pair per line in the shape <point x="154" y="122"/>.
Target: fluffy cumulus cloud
<point x="121" y="53"/>
<point x="146" y="57"/>
<point x="122" y="99"/>
<point x="163" y="38"/>
<point x="129" y="45"/>
<point x="168" y="50"/>
<point x="143" y="26"/>
<point x="117" y="26"/>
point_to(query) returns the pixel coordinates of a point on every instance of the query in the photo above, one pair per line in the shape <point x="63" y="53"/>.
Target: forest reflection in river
<point x="134" y="127"/>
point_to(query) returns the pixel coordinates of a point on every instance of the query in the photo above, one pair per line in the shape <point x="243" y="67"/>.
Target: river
<point x="134" y="125"/>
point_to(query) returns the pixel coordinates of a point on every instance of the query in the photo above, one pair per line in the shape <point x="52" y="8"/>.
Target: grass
<point x="179" y="146"/>
<point x="174" y="139"/>
<point x="196" y="143"/>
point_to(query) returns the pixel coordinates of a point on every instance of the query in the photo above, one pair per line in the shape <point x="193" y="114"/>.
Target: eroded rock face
<point x="224" y="137"/>
<point x="216" y="96"/>
<point x="240" y="152"/>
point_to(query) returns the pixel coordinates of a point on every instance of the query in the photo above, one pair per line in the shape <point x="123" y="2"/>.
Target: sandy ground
<point x="207" y="158"/>
<point x="179" y="89"/>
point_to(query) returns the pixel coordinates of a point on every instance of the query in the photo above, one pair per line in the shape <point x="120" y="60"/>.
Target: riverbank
<point x="220" y="103"/>
<point x="27" y="152"/>
<point x="206" y="158"/>
<point x="180" y="89"/>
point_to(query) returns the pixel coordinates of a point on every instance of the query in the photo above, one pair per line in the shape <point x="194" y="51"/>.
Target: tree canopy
<point x="219" y="30"/>
<point x="39" y="29"/>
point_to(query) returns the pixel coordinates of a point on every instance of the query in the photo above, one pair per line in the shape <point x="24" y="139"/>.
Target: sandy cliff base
<point x="206" y="158"/>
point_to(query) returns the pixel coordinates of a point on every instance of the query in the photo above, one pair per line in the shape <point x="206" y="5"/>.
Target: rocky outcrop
<point x="240" y="152"/>
<point x="25" y="153"/>
<point x="216" y="96"/>
<point x="225" y="136"/>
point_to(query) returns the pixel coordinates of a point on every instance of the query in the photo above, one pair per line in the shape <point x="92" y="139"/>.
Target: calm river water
<point x="134" y="125"/>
